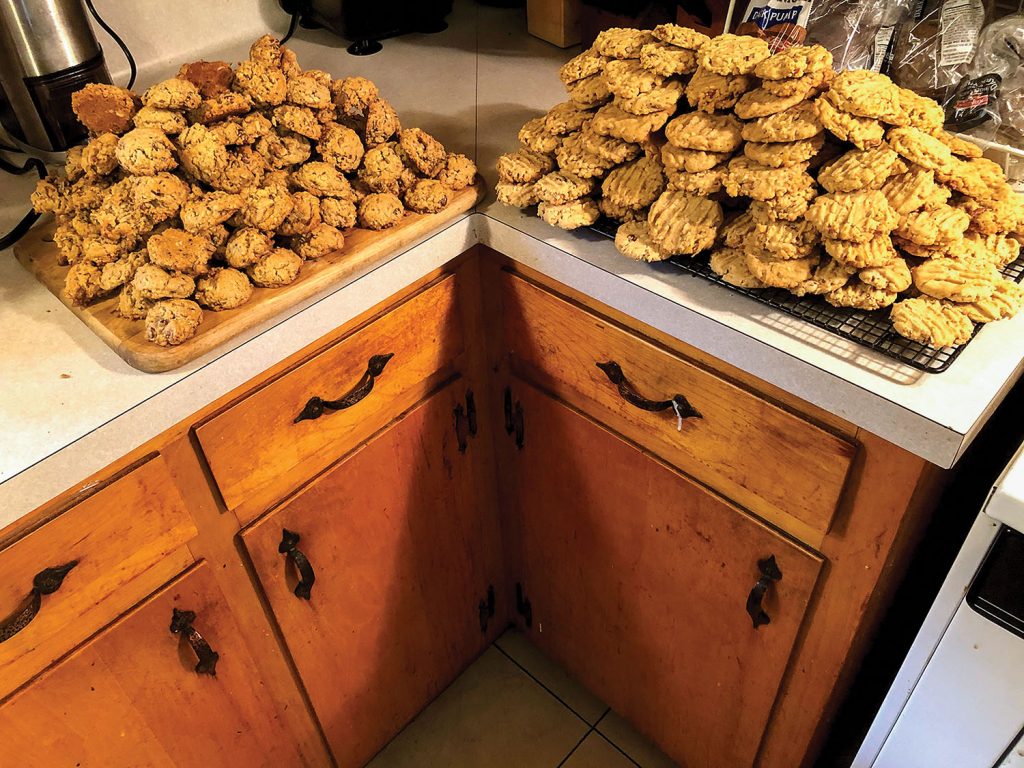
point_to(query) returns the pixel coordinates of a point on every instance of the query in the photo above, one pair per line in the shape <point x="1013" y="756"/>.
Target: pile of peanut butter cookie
<point x="223" y="178"/>
<point x="788" y="174"/>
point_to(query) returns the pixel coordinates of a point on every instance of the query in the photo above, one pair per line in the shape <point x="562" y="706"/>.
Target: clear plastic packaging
<point x="857" y="32"/>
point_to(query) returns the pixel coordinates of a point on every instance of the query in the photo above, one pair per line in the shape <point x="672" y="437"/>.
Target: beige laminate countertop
<point x="69" y="406"/>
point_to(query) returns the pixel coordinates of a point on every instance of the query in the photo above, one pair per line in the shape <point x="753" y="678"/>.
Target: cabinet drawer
<point x="258" y="450"/>
<point x="127" y="539"/>
<point x="766" y="458"/>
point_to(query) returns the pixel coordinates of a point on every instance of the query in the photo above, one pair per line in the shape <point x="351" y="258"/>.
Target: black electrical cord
<point x="26" y="223"/>
<point x="124" y="48"/>
<point x="291" y="28"/>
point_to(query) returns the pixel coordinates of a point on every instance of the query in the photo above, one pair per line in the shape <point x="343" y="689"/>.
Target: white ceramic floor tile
<point x="621" y="734"/>
<point x="551" y="676"/>
<point x="493" y="715"/>
<point x="597" y="752"/>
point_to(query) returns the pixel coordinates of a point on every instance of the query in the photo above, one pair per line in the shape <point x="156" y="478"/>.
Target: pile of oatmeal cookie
<point x="223" y="178"/>
<point x="790" y="175"/>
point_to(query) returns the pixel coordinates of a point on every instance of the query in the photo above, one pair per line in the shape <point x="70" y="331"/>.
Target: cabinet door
<point x="403" y="541"/>
<point x="131" y="696"/>
<point x="638" y="581"/>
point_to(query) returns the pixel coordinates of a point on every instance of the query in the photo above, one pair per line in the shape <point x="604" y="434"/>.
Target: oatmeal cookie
<point x="180" y="251"/>
<point x="276" y="269"/>
<point x="807" y="86"/>
<point x="381" y="122"/>
<point x="304" y="215"/>
<point x="175" y="93"/>
<point x="266" y="86"/>
<point x="516" y="195"/>
<point x="957" y="145"/>
<point x="523" y="166"/>
<point x="731" y="265"/>
<point x="627" y="79"/>
<point x="298" y="120"/>
<point x="341" y="147"/>
<point x="208" y="209"/>
<point x="267" y="51"/>
<point x="166" y="121"/>
<point x="855" y="216"/>
<point x="782" y="274"/>
<point x="211" y="78"/>
<point x="690" y="160"/>
<point x="307" y="91"/>
<point x="580" y="67"/>
<point x="951" y="249"/>
<point x="702" y="183"/>
<point x="732" y="54"/>
<point x="1004" y="301"/>
<point x="708" y="91"/>
<point x="353" y="95"/>
<point x="876" y="252"/>
<point x="745" y="178"/>
<point x="920" y="148"/>
<point x="566" y="118"/>
<point x="561" y="187"/>
<point x="930" y="228"/>
<point x="458" y="172"/>
<point x="320" y="241"/>
<point x="152" y="282"/>
<point x="699" y="130"/>
<point x="535" y="136"/>
<point x="83" y="283"/>
<point x="118" y="273"/>
<point x="172" y="321"/>
<point x="795" y="61"/>
<point x="633" y="241"/>
<point x="862" y="132"/>
<point x="634" y="185"/>
<point x="761" y="103"/>
<point x="382" y="168"/>
<point x="909" y="191"/>
<point x="380" y="211"/>
<point x="828" y="276"/>
<point x="590" y="92"/>
<point x="893" y="276"/>
<point x="859" y="295"/>
<point x="858" y="169"/>
<point x="622" y="42"/>
<point x="620" y="212"/>
<point x="337" y="212"/>
<point x="322" y="179"/>
<point x="426" y="153"/>
<point x="931" y="322"/>
<point x="246" y="246"/>
<point x="130" y="305"/>
<point x="104" y="108"/>
<point x="223" y="288"/>
<point x="784" y="154"/>
<point x="611" y="120"/>
<point x="99" y="156"/>
<point x="266" y="208"/>
<point x="201" y="154"/>
<point x="960" y="280"/>
<point x="221" y="107"/>
<point x="661" y="99"/>
<point x="788" y="206"/>
<point x="145" y="152"/>
<point x="865" y="93"/>
<point x="682" y="37"/>
<point x="785" y="240"/>
<point x="608" y="148"/>
<point x="736" y="231"/>
<point x="571" y="215"/>
<point x="667" y="60"/>
<point x="793" y="124"/>
<point x="684" y="224"/>
<point x="427" y="196"/>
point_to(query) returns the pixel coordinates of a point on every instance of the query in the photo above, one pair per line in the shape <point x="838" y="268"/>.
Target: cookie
<point x="167" y="121"/>
<point x="298" y="120"/>
<point x="859" y="295"/>
<point x="341" y="147"/>
<point x="855" y="216"/>
<point x="690" y="160"/>
<point x="875" y="252"/>
<point x="960" y="280"/>
<point x="537" y="138"/>
<point x="592" y="91"/>
<point x="828" y="276"/>
<point x="83" y="283"/>
<point x="783" y="154"/>
<point x="174" y="93"/>
<point x="304" y="215"/>
<point x="866" y="94"/>
<point x="862" y="132"/>
<point x="663" y="98"/>
<point x="579" y="67"/>
<point x="702" y="183"/>
<point x="737" y="231"/>
<point x="784" y="239"/>
<point x="732" y="54"/>
<point x="223" y="288"/>
<point x="608" y="148"/>
<point x="934" y="227"/>
<point x="667" y="60"/>
<point x="179" y="251"/>
<point x="996" y="249"/>
<point x="220" y="107"/>
<point x="278" y="268"/>
<point x="919" y="111"/>
<point x="761" y="103"/>
<point x="788" y="206"/>
<point x="172" y="321"/>
<point x="523" y="166"/>
<point x="745" y="178"/>
<point x="99" y="156"/>
<point x="931" y="322"/>
<point x="806" y="87"/>
<point x="1004" y="301"/>
<point x="266" y="86"/>
<point x="731" y="265"/>
<point x="426" y="153"/>
<point x="991" y="218"/>
<point x="307" y="91"/>
<point x="709" y="91"/>
<point x="858" y="169"/>
<point x="574" y="158"/>
<point x="611" y="120"/>
<point x="634" y="185"/>
<point x="893" y="276"/>
<point x="782" y="274"/>
<point x="571" y="215"/>
<point x="566" y="118"/>
<point x="381" y="122"/>
<point x="246" y="246"/>
<point x="321" y="240"/>
<point x="919" y="148"/>
<point x="458" y="172"/>
<point x="621" y="213"/>
<point x="909" y="191"/>
<point x="622" y="42"/>
<point x="104" y="108"/>
<point x="265" y="208"/>
<point x="627" y="79"/>
<point x="339" y="213"/>
<point x="957" y="145"/>
<point x="211" y="78"/>
<point x="208" y="210"/>
<point x="380" y="211"/>
<point x="516" y="195"/>
<point x="684" y="224"/>
<point x="795" y="61"/>
<point x="562" y="187"/>
<point x="682" y="37"/>
<point x="793" y="124"/>
<point x="699" y="130"/>
<point x="633" y="240"/>
<point x="353" y="95"/>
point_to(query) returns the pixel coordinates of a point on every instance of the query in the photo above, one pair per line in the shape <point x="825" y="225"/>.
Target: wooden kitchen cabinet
<point x="131" y="696"/>
<point x="639" y="581"/>
<point x="402" y="540"/>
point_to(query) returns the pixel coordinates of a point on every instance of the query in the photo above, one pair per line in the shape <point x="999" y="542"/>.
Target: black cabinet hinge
<point x="514" y="418"/>
<point x="486" y="608"/>
<point x="523" y="607"/>
<point x="465" y="421"/>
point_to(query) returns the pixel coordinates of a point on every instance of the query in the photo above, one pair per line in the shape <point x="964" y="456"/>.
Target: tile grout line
<point x="541" y="684"/>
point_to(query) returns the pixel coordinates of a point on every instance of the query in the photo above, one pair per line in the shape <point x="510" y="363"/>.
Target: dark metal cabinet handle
<point x="769" y="573"/>
<point x="45" y="582"/>
<point x="287" y="547"/>
<point x="316" y="406"/>
<point x="678" y="403"/>
<point x="181" y="624"/>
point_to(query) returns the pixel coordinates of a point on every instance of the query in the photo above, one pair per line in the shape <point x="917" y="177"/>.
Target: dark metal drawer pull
<point x="678" y="403"/>
<point x="769" y="573"/>
<point x="287" y="547"/>
<point x="44" y="583"/>
<point x="316" y="406"/>
<point x="181" y="624"/>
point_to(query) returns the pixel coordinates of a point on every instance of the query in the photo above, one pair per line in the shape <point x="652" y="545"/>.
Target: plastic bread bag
<point x="781" y="23"/>
<point x="931" y="52"/>
<point x="857" y="32"/>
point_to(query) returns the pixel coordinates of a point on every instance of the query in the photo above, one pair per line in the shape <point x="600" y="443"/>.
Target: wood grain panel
<point x="404" y="546"/>
<point x="363" y="248"/>
<point x="256" y="448"/>
<point x="766" y="458"/>
<point x="638" y="580"/>
<point x="131" y="697"/>
<point x="129" y="538"/>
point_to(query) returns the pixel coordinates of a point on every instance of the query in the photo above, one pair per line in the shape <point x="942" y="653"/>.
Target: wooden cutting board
<point x="127" y="338"/>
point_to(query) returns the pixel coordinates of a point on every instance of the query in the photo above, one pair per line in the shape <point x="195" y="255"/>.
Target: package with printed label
<point x="857" y="32"/>
<point x="781" y="23"/>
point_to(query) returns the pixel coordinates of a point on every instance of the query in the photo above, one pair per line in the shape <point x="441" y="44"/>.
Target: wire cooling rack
<point x="869" y="329"/>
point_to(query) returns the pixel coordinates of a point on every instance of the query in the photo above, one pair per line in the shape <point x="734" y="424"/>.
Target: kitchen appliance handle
<point x="288" y="548"/>
<point x="181" y="624"/>
<point x="46" y="582"/>
<point x="770" y="573"/>
<point x="316" y="406"/>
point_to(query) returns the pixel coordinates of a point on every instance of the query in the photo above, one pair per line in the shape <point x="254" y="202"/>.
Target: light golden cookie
<point x="784" y="154"/>
<point x="854" y="216"/>
<point x="731" y="265"/>
<point x="172" y="321"/>
<point x="667" y="60"/>
<point x="338" y="212"/>
<point x="934" y="227"/>
<point x="523" y="166"/>
<point x="663" y="98"/>
<point x="380" y="211"/>
<point x="793" y="124"/>
<point x="425" y="153"/>
<point x="699" y="130"/>
<point x="620" y="212"/>
<point x="341" y="146"/>
<point x="561" y="187"/>
<point x="745" y="178"/>
<point x="893" y="276"/>
<point x="588" y="63"/>
<point x="458" y="172"/>
<point x="425" y="196"/>
<point x="761" y="103"/>
<point x="566" y="118"/>
<point x="535" y="136"/>
<point x="208" y="210"/>
<point x="172" y="94"/>
<point x="785" y="239"/>
<point x="636" y="184"/>
<point x="862" y="132"/>
<point x="858" y="169"/>
<point x="574" y="158"/>
<point x="690" y="160"/>
<point x="166" y="121"/>
<point x="179" y="251"/>
<point x="957" y="145"/>
<point x="83" y="283"/>
<point x="622" y="42"/>
<point x="516" y="195"/>
<point x="919" y="111"/>
<point x="991" y="218"/>
<point x="737" y="231"/>
<point x="876" y="252"/>
<point x="920" y="148"/>
<point x="709" y="92"/>
<point x="859" y="295"/>
<point x="865" y="93"/>
<point x="789" y="206"/>
<point x="608" y="148"/>
<point x="223" y="289"/>
<point x="910" y="191"/>
<point x="732" y="54"/>
<point x="381" y="122"/>
<point x="1004" y="301"/>
<point x="592" y="91"/>
<point x="278" y="268"/>
<point x="246" y="246"/>
<point x="702" y="183"/>
<point x="684" y="224"/>
<point x="571" y="215"/>
<point x="806" y="87"/>
<point x="611" y="120"/>
<point x="795" y="61"/>
<point x="682" y="37"/>
<point x="960" y="280"/>
<point x="931" y="322"/>
<point x="997" y="249"/>
<point x="632" y="239"/>
<point x="782" y="274"/>
<point x="266" y="208"/>
<point x="828" y="276"/>
<point x="145" y="152"/>
<point x="320" y="241"/>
